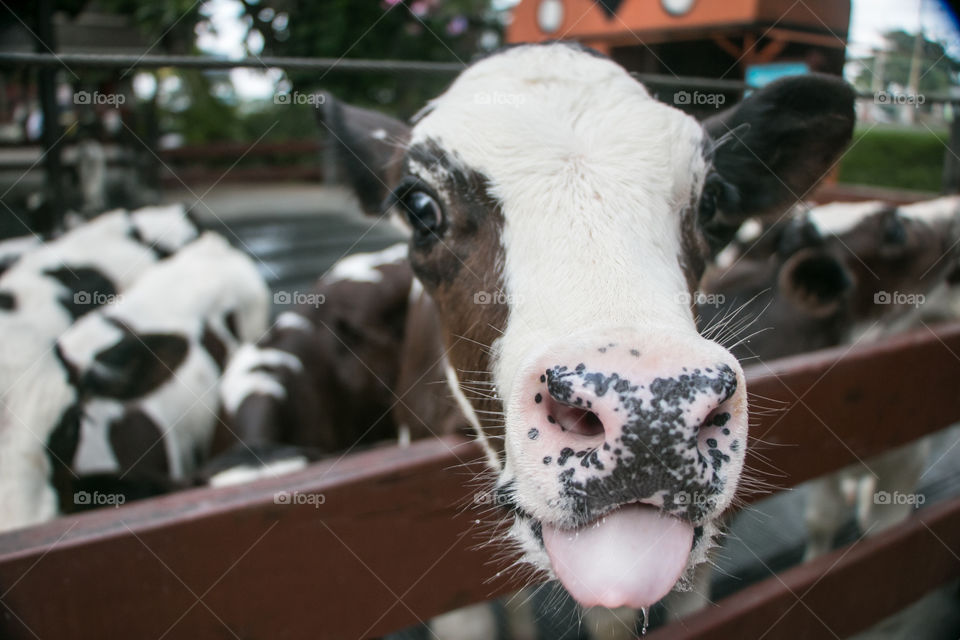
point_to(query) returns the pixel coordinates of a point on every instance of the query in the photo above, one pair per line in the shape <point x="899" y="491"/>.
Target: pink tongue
<point x="630" y="557"/>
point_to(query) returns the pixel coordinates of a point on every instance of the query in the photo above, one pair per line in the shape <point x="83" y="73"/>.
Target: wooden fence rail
<point x="841" y="593"/>
<point x="376" y="541"/>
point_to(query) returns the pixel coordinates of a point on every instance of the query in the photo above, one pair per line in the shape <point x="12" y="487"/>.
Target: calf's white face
<point x="560" y="217"/>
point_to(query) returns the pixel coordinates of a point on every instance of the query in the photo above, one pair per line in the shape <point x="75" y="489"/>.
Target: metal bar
<point x="47" y="217"/>
<point x="398" y="523"/>
<point x="842" y="593"/>
<point x="717" y="84"/>
<point x="231" y="150"/>
<point x="112" y="61"/>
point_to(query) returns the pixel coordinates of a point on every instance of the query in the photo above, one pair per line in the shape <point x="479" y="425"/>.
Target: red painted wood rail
<point x="842" y="593"/>
<point x="378" y="540"/>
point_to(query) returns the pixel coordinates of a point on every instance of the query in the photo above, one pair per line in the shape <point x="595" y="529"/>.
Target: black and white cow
<point x="60" y="280"/>
<point x="559" y="238"/>
<point x="147" y="368"/>
<point x="41" y="294"/>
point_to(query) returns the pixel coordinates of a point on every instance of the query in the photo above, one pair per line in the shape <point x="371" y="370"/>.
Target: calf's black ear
<point x="135" y="365"/>
<point x="86" y="288"/>
<point x="772" y="148"/>
<point x="369" y="146"/>
<point x="815" y="281"/>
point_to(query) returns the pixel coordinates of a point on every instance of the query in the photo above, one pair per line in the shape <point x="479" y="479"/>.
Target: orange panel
<point x="584" y="20"/>
<point x="825" y="16"/>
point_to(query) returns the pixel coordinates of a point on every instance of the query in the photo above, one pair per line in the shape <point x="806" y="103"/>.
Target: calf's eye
<point x="423" y="212"/>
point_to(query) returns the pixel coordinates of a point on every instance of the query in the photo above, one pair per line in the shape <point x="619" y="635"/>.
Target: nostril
<point x="573" y="419"/>
<point x="717" y="419"/>
<point x="715" y="438"/>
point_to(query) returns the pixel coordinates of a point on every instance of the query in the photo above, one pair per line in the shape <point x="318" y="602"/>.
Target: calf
<point x="810" y="281"/>
<point x="823" y="277"/>
<point x="840" y="274"/>
<point x="555" y="242"/>
<point x="41" y="294"/>
<point x="38" y="427"/>
<point x="147" y="367"/>
<point x="61" y="280"/>
<point x="906" y="264"/>
<point x="357" y="363"/>
<point x="794" y="300"/>
<point x="585" y="214"/>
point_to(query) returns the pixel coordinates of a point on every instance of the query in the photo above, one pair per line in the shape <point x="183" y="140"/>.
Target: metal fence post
<point x="47" y="217"/>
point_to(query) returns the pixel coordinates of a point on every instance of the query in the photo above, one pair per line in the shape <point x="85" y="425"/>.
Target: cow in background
<point x="147" y="367"/>
<point x="842" y="273"/>
<point x="358" y="362"/>
<point x="42" y="292"/>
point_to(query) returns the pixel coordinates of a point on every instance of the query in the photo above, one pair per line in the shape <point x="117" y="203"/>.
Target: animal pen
<point x="390" y="537"/>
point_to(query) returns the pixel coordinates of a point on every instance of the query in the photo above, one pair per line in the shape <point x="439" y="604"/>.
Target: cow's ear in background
<point x="135" y="365"/>
<point x="86" y="288"/>
<point x="815" y="281"/>
<point x="772" y="148"/>
<point x="369" y="147"/>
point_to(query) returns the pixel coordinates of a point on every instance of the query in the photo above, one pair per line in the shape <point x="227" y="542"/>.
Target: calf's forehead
<point x="535" y="118"/>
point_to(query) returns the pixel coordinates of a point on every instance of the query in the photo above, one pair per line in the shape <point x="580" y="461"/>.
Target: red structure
<point x="708" y="38"/>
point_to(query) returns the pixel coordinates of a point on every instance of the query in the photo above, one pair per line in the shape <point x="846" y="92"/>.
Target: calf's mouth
<point x="631" y="556"/>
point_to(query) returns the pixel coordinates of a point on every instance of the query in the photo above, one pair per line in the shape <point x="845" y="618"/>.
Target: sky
<point x="868" y="21"/>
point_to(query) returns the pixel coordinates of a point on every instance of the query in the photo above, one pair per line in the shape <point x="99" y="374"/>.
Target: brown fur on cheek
<point x="695" y="248"/>
<point x="461" y="274"/>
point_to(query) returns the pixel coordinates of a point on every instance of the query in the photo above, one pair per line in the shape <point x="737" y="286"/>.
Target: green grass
<point x="895" y="157"/>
